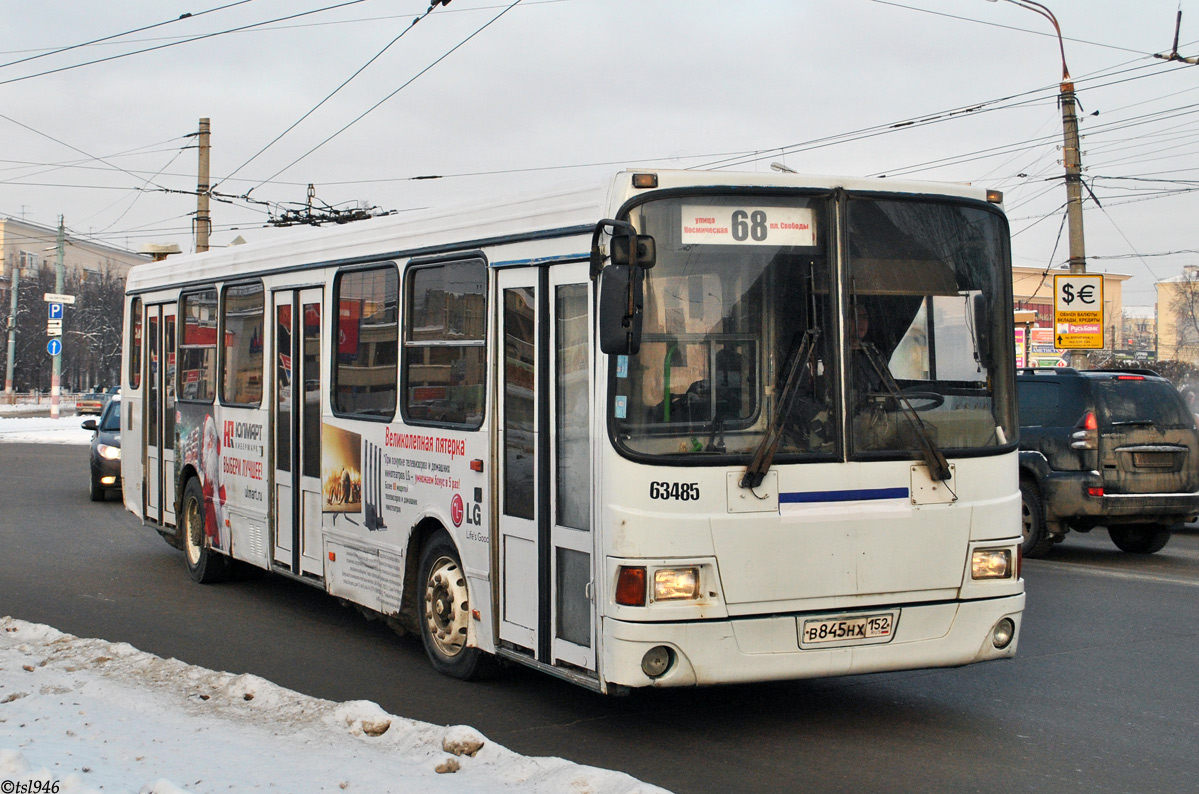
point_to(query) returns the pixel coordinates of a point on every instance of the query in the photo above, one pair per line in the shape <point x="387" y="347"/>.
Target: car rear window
<point x="1039" y="402"/>
<point x="1141" y="401"/>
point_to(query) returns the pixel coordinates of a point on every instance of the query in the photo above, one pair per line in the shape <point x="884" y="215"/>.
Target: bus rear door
<point x="159" y="462"/>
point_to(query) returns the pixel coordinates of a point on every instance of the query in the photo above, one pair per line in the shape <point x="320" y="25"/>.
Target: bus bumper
<point x="767" y="649"/>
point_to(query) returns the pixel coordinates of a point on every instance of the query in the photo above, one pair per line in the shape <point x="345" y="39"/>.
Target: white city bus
<point x="686" y="428"/>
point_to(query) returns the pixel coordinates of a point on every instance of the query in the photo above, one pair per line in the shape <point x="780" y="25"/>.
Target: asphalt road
<point x="1102" y="697"/>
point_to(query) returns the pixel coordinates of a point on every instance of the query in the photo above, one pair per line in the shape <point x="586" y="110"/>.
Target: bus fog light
<point x="991" y="564"/>
<point x="673" y="584"/>
<point x="657" y="660"/>
<point x="1001" y="635"/>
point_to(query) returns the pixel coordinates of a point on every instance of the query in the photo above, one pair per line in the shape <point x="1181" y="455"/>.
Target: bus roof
<point x="428" y="232"/>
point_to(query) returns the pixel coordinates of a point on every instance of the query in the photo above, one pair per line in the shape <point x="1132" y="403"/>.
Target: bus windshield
<point x="757" y="320"/>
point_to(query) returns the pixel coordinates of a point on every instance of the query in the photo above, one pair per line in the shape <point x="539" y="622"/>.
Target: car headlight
<point x="109" y="452"/>
<point x="674" y="584"/>
<point x="991" y="564"/>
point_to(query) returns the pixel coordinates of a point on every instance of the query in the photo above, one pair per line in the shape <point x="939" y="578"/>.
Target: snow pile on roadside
<point x="24" y="408"/>
<point x="98" y="716"/>
<point x="44" y="430"/>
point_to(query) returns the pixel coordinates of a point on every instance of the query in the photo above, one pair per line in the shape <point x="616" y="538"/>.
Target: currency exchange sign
<point x="1078" y="312"/>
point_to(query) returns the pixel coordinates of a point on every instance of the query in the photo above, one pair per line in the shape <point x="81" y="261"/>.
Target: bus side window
<point x="444" y="345"/>
<point x="367" y="333"/>
<point x="197" y="351"/>
<point x="135" y="344"/>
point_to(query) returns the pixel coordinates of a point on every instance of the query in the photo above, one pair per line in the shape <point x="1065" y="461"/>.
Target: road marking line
<point x="1073" y="567"/>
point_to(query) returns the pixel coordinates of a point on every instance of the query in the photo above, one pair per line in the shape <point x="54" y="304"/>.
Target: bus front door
<point x="545" y="553"/>
<point x="159" y="464"/>
<point x="296" y="423"/>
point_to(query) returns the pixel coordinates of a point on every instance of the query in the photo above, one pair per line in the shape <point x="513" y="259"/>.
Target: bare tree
<point x="91" y="329"/>
<point x="1183" y="306"/>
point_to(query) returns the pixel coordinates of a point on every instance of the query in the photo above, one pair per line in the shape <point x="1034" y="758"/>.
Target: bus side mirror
<point x="620" y="308"/>
<point x="647" y="252"/>
<point x="982" y="331"/>
<point x="621" y="285"/>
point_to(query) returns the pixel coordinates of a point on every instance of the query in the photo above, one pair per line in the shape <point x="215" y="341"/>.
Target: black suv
<point x="1112" y="448"/>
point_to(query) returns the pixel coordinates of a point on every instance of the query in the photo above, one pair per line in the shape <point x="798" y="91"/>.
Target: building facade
<point x="1178" y="316"/>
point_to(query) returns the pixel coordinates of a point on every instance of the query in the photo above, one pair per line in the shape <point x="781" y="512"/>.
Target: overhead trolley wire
<point x="331" y="94"/>
<point x="180" y="18"/>
<point x="183" y="41"/>
<point x="369" y="110"/>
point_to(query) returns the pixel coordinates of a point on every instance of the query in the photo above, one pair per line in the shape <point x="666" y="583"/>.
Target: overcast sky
<point x="565" y="91"/>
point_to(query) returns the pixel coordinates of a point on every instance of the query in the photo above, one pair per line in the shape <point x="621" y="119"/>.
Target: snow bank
<point x="98" y="716"/>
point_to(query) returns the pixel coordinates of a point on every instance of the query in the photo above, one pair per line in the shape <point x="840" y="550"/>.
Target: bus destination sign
<point x="722" y="224"/>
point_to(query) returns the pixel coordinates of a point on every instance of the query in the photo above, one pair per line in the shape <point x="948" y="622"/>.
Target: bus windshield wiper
<point x="938" y="466"/>
<point x="764" y="454"/>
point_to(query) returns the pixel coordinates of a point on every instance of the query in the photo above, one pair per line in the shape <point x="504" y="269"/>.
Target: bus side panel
<point x="379" y="482"/>
<point x="199" y="447"/>
<point x="241" y="492"/>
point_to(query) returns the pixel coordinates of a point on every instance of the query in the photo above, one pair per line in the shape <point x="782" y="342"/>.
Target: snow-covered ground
<point x="44" y="430"/>
<point x="85" y="716"/>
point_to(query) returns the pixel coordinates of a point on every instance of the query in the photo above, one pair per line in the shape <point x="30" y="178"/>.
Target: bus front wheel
<point x="445" y="611"/>
<point x="203" y="564"/>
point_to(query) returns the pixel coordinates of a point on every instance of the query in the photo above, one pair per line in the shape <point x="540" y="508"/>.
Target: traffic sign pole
<point x="56" y="377"/>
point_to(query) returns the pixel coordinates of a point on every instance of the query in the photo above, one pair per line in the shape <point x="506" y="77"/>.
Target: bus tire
<point x="1037" y="540"/>
<point x="204" y="565"/>
<point x="445" y="611"/>
<point x="1140" y="538"/>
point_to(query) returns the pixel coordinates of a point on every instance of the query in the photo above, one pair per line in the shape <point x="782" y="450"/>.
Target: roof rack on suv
<point x="1128" y="371"/>
<point x="1047" y="371"/>
<point x="1073" y="371"/>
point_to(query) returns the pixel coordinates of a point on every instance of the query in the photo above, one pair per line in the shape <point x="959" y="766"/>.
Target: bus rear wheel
<point x="203" y="564"/>
<point x="445" y="611"/>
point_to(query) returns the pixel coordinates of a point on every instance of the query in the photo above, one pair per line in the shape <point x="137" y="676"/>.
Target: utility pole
<point x="1071" y="159"/>
<point x="203" y="219"/>
<point x="12" y="335"/>
<point x="56" y="378"/>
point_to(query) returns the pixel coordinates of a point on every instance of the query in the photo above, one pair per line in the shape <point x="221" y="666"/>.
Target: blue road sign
<point x="54" y="347"/>
<point x="55" y="311"/>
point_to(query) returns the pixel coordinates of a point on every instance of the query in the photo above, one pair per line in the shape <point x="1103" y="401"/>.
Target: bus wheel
<point x="445" y="610"/>
<point x="203" y="564"/>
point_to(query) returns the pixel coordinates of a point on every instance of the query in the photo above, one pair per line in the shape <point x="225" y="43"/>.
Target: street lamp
<point x="1071" y="156"/>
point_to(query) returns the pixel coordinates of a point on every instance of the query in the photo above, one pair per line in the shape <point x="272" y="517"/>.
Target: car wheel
<point x="95" y="489"/>
<point x="1140" y="538"/>
<point x="203" y="564"/>
<point x="1037" y="540"/>
<point x="445" y="611"/>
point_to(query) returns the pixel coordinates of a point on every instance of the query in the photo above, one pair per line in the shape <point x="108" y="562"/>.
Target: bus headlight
<point x="109" y="453"/>
<point x="991" y="564"/>
<point x="676" y="584"/>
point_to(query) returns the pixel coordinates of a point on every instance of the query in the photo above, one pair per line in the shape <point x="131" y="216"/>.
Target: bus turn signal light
<point x="630" y="587"/>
